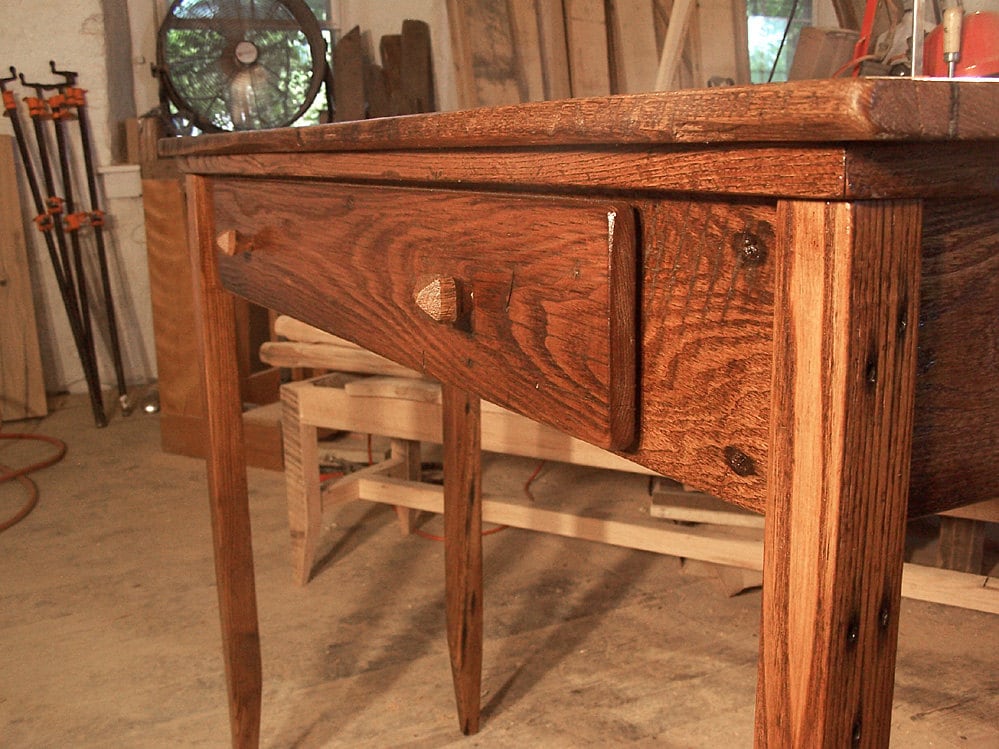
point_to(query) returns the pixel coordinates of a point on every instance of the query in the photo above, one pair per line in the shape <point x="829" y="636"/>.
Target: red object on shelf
<point x="979" y="48"/>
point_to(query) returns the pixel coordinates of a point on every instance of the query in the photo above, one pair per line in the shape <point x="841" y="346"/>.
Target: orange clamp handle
<point x="54" y="204"/>
<point x="44" y="222"/>
<point x="37" y="108"/>
<point x="75" y="221"/>
<point x="57" y="104"/>
<point x="75" y="97"/>
<point x="97" y="218"/>
<point x="9" y="102"/>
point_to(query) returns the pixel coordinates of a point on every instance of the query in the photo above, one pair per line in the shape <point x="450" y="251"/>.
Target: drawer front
<point x="526" y="301"/>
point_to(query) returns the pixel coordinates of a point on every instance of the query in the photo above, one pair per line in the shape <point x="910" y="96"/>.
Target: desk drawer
<point x="526" y="301"/>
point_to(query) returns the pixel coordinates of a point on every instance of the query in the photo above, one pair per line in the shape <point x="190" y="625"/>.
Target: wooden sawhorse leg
<point x="463" y="549"/>
<point x="846" y="301"/>
<point x="226" y="466"/>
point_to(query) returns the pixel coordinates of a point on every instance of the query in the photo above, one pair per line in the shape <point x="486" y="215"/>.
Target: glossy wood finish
<point x="827" y="111"/>
<point x="227" y="485"/>
<point x="463" y="549"/>
<point x="842" y="401"/>
<point x="816" y="288"/>
<point x="547" y="287"/>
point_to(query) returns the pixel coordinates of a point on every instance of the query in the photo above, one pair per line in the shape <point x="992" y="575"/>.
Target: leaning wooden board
<point x="22" y="386"/>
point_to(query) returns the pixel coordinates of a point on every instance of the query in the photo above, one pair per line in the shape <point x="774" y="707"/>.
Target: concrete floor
<point x="109" y="638"/>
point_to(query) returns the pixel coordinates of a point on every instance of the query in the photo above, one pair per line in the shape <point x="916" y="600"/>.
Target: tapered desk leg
<point x="846" y="300"/>
<point x="463" y="549"/>
<point x="227" y="484"/>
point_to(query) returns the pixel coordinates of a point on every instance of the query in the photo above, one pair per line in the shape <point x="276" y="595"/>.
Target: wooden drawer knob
<point x="438" y="298"/>
<point x="231" y="243"/>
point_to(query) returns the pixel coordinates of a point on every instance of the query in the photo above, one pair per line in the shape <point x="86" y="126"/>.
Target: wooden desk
<point x="784" y="295"/>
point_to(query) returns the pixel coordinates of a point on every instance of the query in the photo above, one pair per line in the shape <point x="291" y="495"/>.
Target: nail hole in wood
<point x="853" y="632"/>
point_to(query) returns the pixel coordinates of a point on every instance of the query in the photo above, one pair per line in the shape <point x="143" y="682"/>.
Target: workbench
<point x="784" y="295"/>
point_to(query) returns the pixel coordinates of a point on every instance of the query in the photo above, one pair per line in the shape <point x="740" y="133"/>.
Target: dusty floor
<point x="109" y="638"/>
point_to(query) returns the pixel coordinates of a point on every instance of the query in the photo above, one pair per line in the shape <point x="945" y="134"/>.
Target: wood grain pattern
<point x="463" y="549"/>
<point x="348" y="78"/>
<point x="416" y="75"/>
<point x="837" y="110"/>
<point x="632" y="29"/>
<point x="226" y="465"/>
<point x="554" y="51"/>
<point x="846" y="300"/>
<point x="955" y="447"/>
<point x="586" y="40"/>
<point x="22" y="385"/>
<point x="527" y="45"/>
<point x="808" y="172"/>
<point x="552" y="335"/>
<point x="302" y="488"/>
<point x="707" y="316"/>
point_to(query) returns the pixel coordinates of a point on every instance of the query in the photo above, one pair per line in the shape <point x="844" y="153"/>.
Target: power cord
<point x="21" y="474"/>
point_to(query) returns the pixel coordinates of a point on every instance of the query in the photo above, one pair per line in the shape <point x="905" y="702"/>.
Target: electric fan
<point x="241" y="64"/>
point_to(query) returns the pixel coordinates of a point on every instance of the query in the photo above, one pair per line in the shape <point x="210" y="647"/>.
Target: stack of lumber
<point x="533" y="50"/>
<point x="402" y="84"/>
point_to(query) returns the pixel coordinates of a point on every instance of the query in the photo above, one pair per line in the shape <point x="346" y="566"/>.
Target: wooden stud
<point x="226" y="465"/>
<point x="846" y="312"/>
<point x="586" y="35"/>
<point x="554" y="50"/>
<point x="301" y="475"/>
<point x="463" y="549"/>
<point x="962" y="544"/>
<point x="408" y="453"/>
<point x="633" y="31"/>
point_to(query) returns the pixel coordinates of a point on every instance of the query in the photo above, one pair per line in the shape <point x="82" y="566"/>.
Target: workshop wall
<point x="92" y="38"/>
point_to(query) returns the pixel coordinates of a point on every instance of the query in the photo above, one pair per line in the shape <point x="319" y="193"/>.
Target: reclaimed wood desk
<point x="785" y="295"/>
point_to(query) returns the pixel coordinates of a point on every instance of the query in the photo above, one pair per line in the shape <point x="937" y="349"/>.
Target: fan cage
<point x="241" y="64"/>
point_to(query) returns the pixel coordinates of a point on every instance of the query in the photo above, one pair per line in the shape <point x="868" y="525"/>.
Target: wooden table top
<point x="838" y="110"/>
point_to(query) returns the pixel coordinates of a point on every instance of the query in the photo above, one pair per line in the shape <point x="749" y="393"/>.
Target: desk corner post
<point x="846" y="312"/>
<point x="226" y="468"/>
<point x="463" y="549"/>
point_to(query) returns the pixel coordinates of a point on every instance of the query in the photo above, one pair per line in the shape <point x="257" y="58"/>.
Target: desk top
<point x="687" y="173"/>
<point x="854" y="109"/>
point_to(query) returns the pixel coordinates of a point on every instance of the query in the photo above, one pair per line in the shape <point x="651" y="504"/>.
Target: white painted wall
<point x="73" y="34"/>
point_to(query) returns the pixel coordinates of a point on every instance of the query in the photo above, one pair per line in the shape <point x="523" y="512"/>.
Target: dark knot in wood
<point x="750" y="248"/>
<point x="738" y="461"/>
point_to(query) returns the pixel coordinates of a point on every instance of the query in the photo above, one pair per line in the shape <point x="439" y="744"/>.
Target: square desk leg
<point x="463" y="549"/>
<point x="846" y="308"/>
<point x="227" y="485"/>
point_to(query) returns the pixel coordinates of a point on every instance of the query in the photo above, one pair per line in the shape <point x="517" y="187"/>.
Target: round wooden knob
<point x="437" y="297"/>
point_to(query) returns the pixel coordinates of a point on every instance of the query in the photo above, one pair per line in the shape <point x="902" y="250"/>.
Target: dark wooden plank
<point x="417" y="76"/>
<point x="801" y="111"/>
<point x="391" y="52"/>
<point x="463" y="549"/>
<point x="552" y="335"/>
<point x="226" y="466"/>
<point x="348" y="77"/>
<point x="956" y="432"/>
<point x="377" y="88"/>
<point x="846" y="300"/>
